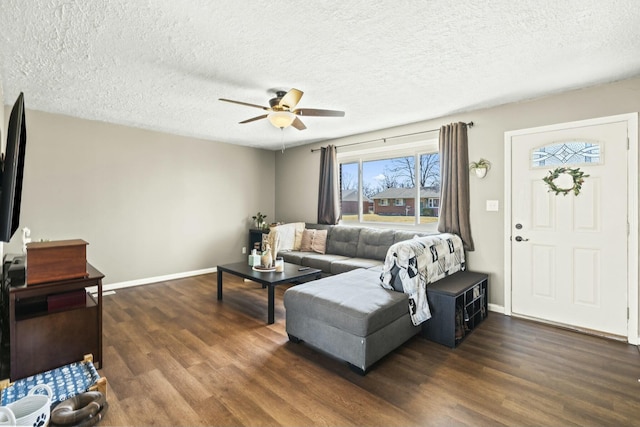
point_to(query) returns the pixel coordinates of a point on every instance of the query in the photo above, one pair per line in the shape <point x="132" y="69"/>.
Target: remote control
<point x="303" y="268"/>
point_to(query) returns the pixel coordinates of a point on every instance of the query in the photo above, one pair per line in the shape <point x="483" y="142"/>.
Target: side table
<point x="458" y="305"/>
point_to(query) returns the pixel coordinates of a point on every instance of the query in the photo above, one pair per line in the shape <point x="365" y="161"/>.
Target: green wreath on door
<point x="578" y="179"/>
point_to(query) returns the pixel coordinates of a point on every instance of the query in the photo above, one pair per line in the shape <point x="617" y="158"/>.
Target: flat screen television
<point x="13" y="171"/>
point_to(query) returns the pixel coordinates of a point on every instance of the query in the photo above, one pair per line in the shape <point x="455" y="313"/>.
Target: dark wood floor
<point x="174" y="355"/>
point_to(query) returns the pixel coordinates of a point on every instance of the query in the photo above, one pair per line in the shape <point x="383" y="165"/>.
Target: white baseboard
<point x="149" y="280"/>
<point x="131" y="283"/>
<point x="496" y="308"/>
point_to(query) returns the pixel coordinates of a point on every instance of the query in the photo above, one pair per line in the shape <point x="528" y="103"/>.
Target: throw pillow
<point x="287" y="235"/>
<point x="319" y="242"/>
<point x="314" y="241"/>
<point x="306" y="240"/>
<point x="298" y="236"/>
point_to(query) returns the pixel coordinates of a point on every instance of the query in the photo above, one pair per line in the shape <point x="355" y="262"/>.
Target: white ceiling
<point x="163" y="64"/>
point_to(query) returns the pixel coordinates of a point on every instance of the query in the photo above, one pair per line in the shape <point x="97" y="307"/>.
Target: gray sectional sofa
<point x="347" y="313"/>
<point x="349" y="316"/>
<point x="350" y="247"/>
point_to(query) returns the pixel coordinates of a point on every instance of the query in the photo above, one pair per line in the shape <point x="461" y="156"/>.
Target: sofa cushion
<point x="293" y="257"/>
<point x="373" y="243"/>
<point x="343" y="240"/>
<point x="341" y="266"/>
<point x="353" y="302"/>
<point x="321" y="261"/>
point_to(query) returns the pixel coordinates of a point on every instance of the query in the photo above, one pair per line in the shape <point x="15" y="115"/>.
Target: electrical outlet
<point x="244" y="249"/>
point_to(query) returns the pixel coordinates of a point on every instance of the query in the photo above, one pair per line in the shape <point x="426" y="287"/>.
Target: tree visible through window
<point x="391" y="190"/>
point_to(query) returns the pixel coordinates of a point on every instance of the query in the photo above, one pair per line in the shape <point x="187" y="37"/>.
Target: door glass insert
<point x="567" y="153"/>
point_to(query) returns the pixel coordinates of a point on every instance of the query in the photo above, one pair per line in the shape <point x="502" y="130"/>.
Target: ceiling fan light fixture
<point x="281" y="119"/>
<point x="281" y="112"/>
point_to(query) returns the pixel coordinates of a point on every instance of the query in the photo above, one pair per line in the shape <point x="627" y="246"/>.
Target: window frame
<point x="416" y="149"/>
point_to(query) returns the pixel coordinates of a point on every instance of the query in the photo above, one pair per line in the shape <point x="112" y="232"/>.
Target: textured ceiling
<point x="163" y="64"/>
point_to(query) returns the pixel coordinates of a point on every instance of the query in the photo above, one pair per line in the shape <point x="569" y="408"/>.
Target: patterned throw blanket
<point x="411" y="265"/>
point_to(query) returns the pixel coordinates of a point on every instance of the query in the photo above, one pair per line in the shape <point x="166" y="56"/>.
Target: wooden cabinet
<point x="458" y="304"/>
<point x="46" y="332"/>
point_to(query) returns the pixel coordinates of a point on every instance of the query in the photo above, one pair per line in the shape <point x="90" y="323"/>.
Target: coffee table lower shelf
<point x="292" y="273"/>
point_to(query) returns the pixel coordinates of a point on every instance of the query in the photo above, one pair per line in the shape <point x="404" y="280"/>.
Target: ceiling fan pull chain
<point x="282" y="138"/>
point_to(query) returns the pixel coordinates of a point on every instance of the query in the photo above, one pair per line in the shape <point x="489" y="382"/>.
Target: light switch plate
<point x="492" y="205"/>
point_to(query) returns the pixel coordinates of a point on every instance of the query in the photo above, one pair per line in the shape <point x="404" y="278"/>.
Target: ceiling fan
<point x="282" y="111"/>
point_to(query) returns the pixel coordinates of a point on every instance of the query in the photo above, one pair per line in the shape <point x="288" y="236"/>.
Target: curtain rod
<point x="470" y="124"/>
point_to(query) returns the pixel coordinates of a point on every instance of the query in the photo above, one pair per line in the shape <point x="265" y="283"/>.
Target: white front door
<point x="569" y="260"/>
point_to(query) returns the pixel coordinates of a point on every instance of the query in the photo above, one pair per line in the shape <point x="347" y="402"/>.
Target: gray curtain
<point x="329" y="193"/>
<point x="454" y="170"/>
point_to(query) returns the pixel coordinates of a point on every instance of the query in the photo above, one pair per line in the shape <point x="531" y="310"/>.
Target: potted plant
<point x="259" y="220"/>
<point x="481" y="167"/>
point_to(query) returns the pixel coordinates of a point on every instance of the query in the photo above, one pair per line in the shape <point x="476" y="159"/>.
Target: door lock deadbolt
<point x="519" y="226"/>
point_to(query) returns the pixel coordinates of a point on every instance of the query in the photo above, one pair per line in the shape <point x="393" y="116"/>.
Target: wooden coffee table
<point x="292" y="273"/>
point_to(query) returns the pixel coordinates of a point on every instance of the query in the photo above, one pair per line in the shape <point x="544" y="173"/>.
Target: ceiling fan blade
<point x="317" y="112"/>
<point x="245" y="103"/>
<point x="264" y="116"/>
<point x="291" y="99"/>
<point x="297" y="123"/>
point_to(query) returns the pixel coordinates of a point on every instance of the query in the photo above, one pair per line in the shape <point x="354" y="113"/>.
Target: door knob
<point x="520" y="239"/>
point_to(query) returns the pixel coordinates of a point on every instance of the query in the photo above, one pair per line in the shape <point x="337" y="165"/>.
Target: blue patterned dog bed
<point x="66" y="382"/>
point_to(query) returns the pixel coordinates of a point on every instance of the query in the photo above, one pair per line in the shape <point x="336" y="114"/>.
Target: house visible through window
<point x="397" y="185"/>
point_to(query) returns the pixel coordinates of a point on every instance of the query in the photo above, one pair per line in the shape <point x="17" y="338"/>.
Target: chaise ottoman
<point x="349" y="316"/>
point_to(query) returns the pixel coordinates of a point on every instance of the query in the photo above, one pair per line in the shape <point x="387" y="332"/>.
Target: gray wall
<point x="152" y="204"/>
<point x="149" y="204"/>
<point x="3" y="135"/>
<point x="298" y="169"/>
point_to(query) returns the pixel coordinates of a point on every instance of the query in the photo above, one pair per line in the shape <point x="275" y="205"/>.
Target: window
<point x="391" y="185"/>
<point x="566" y="153"/>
